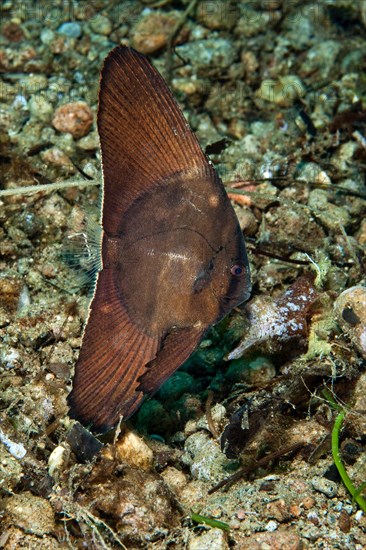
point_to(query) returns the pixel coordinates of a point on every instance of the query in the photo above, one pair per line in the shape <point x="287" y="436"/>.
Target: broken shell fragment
<point x="350" y="310"/>
<point x="57" y="460"/>
<point x="283" y="322"/>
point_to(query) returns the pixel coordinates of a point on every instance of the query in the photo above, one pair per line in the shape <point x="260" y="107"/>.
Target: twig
<point x="261" y="463"/>
<point x="183" y="18"/>
<point x="47" y="187"/>
<point x="210" y="422"/>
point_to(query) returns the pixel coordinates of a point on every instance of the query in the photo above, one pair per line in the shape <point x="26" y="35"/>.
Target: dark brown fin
<point x="143" y="135"/>
<point x="176" y="348"/>
<point x="113" y="356"/>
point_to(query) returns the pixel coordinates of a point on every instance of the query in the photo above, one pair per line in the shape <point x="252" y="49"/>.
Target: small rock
<point x="47" y="36"/>
<point x="57" y="157"/>
<point x="282" y="540"/>
<point x="75" y="118"/>
<point x="329" y="214"/>
<point x="175" y="479"/>
<point x="209" y="56"/>
<point x="132" y="449"/>
<point x="152" y="31"/>
<point x="278" y="510"/>
<point x="32" y="84"/>
<point x="361" y="236"/>
<point x="284" y="91"/>
<point x="24" y="301"/>
<point x="10" y="471"/>
<point x="10" y="289"/>
<point x="89" y="142"/>
<point x="221" y="14"/>
<point x="314" y="518"/>
<point x="100" y="24"/>
<point x="321" y="57"/>
<point x="204" y="457"/>
<point x="271" y="526"/>
<point x="30" y="223"/>
<point x="344" y="155"/>
<point x="72" y="29"/>
<point x="30" y="513"/>
<point x="214" y="539"/>
<point x="218" y="413"/>
<point x="325" y="486"/>
<point x="344" y="522"/>
<point x="13" y="32"/>
<point x="40" y="108"/>
<point x="251" y="23"/>
<point x="138" y="504"/>
<point x="308" y="502"/>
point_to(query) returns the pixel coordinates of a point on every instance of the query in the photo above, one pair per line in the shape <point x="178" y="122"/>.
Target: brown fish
<point x="173" y="255"/>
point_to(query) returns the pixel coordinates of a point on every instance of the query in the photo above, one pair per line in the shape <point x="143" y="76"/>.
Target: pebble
<point x="248" y="222"/>
<point x="308" y="502"/>
<point x="10" y="289"/>
<point x="47" y="36"/>
<point x="30" y="223"/>
<point x="214" y="539"/>
<point x="40" y="108"/>
<point x="213" y="54"/>
<point x="132" y="449"/>
<point x="283" y="91"/>
<point x="10" y="472"/>
<point x="152" y="31"/>
<point x="75" y="118"/>
<point x="72" y="29"/>
<point x="312" y="172"/>
<point x="175" y="479"/>
<point x="344" y="154"/>
<point x="31" y="513"/>
<point x="278" y="510"/>
<point x="89" y="142"/>
<point x="321" y="57"/>
<point x="325" y="486"/>
<point x="329" y="214"/>
<point x="251" y="23"/>
<point x="9" y="358"/>
<point x="271" y="526"/>
<point x="56" y="157"/>
<point x="220" y="14"/>
<point x="280" y="540"/>
<point x="204" y="457"/>
<point x="100" y="24"/>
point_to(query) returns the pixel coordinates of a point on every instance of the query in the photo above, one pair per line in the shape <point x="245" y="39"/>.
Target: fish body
<point x="173" y="255"/>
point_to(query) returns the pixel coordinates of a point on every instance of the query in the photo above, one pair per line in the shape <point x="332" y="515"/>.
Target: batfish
<point x="173" y="255"/>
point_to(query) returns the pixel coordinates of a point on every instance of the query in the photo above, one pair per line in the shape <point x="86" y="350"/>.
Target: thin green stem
<point x="338" y="462"/>
<point x="210" y="521"/>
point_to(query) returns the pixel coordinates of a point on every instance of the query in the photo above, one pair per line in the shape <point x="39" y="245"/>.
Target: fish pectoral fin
<point x="176" y="347"/>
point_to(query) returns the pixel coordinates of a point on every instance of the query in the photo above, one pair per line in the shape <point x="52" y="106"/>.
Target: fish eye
<point x="237" y="270"/>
